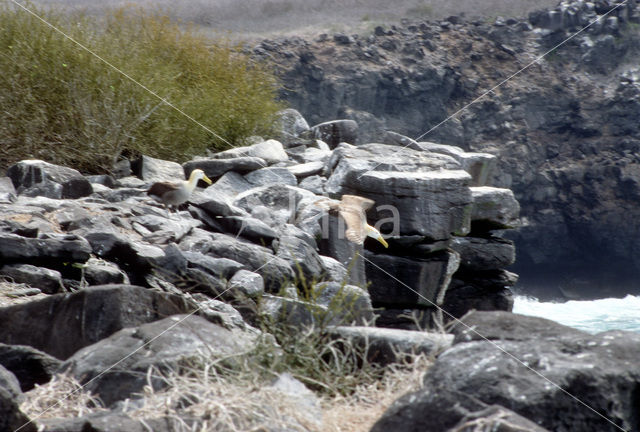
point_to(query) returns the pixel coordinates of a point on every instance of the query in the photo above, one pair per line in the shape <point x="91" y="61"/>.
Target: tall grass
<point x="62" y="104"/>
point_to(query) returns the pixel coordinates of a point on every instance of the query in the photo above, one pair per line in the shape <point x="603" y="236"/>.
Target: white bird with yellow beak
<point x="352" y="209"/>
<point x="172" y="194"/>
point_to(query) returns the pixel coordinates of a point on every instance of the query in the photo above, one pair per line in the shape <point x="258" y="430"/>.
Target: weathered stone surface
<point x="298" y="248"/>
<point x="313" y="184"/>
<point x="153" y="170"/>
<point x="480" y="166"/>
<point x="29" y="365"/>
<point x="46" y="280"/>
<point x="334" y="244"/>
<point x="336" y="131"/>
<point x="276" y="204"/>
<point x="480" y="290"/>
<point x="415" y="319"/>
<point x="346" y="304"/>
<point x="484" y="253"/>
<point x="63" y="323"/>
<point x="385" y="346"/>
<point x="161" y="344"/>
<point x="306" y="169"/>
<point x="101" y="272"/>
<point x="115" y="421"/>
<point x="270" y="151"/>
<point x="291" y="312"/>
<point x="292" y="124"/>
<point x="248" y="283"/>
<point x="273" y="269"/>
<point x="334" y="271"/>
<point x="46" y="248"/>
<point x="215" y="168"/>
<point x="600" y="369"/>
<point x="64" y="182"/>
<point x="11" y="418"/>
<point x="7" y="191"/>
<point x="270" y="176"/>
<point x="494" y="206"/>
<point x="406" y="282"/>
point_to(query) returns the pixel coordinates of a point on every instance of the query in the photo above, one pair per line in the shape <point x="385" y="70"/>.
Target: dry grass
<point x="12" y="293"/>
<point x="239" y="402"/>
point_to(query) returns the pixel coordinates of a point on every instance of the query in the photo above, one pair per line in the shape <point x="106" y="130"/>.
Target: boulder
<point x="480" y="166"/>
<point x="11" y="418"/>
<point x="495" y="207"/>
<point x="384" y="346"/>
<point x="336" y="131"/>
<point x="291" y="125"/>
<point x="334" y="271"/>
<point x="111" y="421"/>
<point x="248" y="283"/>
<point x="100" y="272"/>
<point x="306" y="169"/>
<point x="560" y="378"/>
<point x="270" y="176"/>
<point x="291" y="312"/>
<point x="63" y="323"/>
<point x="275" y="270"/>
<point x="51" y="249"/>
<point x="276" y="204"/>
<point x="408" y="282"/>
<point x="53" y="181"/>
<point x="299" y="249"/>
<point x="313" y="184"/>
<point x="215" y="168"/>
<point x="480" y="290"/>
<point x="345" y="304"/>
<point x="162" y="344"/>
<point x="46" y="280"/>
<point x="270" y="151"/>
<point x="154" y="170"/>
<point x="334" y="244"/>
<point x="7" y="191"/>
<point x="29" y="365"/>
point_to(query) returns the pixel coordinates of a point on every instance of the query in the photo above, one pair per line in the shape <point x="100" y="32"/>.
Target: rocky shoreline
<point x="109" y="281"/>
<point x="564" y="127"/>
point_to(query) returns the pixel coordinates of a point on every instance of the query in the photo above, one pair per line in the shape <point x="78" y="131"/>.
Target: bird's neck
<point x="190" y="185"/>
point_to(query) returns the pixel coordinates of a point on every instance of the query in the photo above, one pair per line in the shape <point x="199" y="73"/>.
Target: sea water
<point x="593" y="316"/>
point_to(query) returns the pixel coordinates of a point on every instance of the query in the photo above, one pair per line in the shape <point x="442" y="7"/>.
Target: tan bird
<point x="173" y="194"/>
<point x="352" y="209"/>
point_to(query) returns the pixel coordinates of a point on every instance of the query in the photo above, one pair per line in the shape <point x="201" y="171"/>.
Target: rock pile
<point x="103" y="273"/>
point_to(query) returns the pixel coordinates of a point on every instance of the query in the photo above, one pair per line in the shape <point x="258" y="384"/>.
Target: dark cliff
<point x="564" y="121"/>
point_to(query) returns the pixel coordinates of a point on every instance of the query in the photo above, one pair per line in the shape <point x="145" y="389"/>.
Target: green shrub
<point x="62" y="104"/>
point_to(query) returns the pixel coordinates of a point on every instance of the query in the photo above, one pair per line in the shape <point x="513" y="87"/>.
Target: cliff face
<point x="564" y="127"/>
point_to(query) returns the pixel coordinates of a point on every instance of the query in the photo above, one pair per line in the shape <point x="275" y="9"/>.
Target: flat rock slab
<point x="215" y="168"/>
<point x="46" y="248"/>
<point x="153" y="170"/>
<point x="161" y="344"/>
<point x="483" y="254"/>
<point x="61" y="324"/>
<point x="270" y="151"/>
<point x="385" y="345"/>
<point x="479" y="165"/>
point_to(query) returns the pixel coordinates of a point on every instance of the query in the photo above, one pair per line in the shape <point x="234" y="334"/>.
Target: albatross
<point x="352" y="209"/>
<point x="173" y="194"/>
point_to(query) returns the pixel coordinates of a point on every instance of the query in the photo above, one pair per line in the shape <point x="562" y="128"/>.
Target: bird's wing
<point x="357" y="201"/>
<point x="355" y="224"/>
<point x="160" y="188"/>
<point x="327" y="204"/>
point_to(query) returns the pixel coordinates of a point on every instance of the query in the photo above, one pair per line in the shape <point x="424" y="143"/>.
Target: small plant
<point x="64" y="105"/>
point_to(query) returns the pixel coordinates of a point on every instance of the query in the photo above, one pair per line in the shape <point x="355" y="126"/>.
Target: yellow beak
<point x="207" y="179"/>
<point x="383" y="241"/>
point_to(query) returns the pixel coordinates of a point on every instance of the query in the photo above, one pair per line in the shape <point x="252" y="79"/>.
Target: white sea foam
<point x="592" y="316"/>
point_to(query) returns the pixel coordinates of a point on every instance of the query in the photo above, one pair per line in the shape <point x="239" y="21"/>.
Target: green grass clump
<point x="63" y="105"/>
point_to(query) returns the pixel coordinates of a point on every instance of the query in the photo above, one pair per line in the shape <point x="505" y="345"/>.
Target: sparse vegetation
<point x="64" y="105"/>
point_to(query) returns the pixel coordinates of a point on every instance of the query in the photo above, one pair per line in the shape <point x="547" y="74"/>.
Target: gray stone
<point x="29" y="365"/>
<point x="313" y="184"/>
<point x="480" y="166"/>
<point x="100" y="272"/>
<point x="270" y="176"/>
<point x="46" y="248"/>
<point x="336" y="131"/>
<point x="65" y="182"/>
<point x="276" y="204"/>
<point x="484" y="253"/>
<point x="11" y="418"/>
<point x="334" y="270"/>
<point x="275" y="271"/>
<point x="270" y="151"/>
<point x="291" y="312"/>
<point x="248" y="283"/>
<point x="407" y="282"/>
<point x="333" y="243"/>
<point x="63" y="323"/>
<point x="215" y="168"/>
<point x="162" y="344"/>
<point x="7" y="191"/>
<point x="306" y="169"/>
<point x="303" y="400"/>
<point x="46" y="280"/>
<point x="479" y="290"/>
<point x="385" y="346"/>
<point x="292" y="124"/>
<point x="345" y="304"/>
<point x="300" y="251"/>
<point x="495" y="206"/>
<point x="155" y="170"/>
<point x="601" y="369"/>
